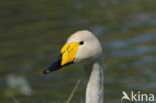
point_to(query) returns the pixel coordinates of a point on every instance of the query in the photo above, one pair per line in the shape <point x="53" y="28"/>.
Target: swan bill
<point x="67" y="56"/>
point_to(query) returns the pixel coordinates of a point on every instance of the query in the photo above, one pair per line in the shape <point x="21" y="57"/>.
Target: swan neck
<point x="94" y="91"/>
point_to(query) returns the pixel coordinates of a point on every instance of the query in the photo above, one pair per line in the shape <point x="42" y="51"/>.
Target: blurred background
<point x="32" y="33"/>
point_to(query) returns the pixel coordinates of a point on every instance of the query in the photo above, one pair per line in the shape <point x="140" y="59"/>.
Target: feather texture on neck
<point x="94" y="91"/>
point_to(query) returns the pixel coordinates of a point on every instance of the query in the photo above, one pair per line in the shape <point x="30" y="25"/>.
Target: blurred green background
<point x="32" y="33"/>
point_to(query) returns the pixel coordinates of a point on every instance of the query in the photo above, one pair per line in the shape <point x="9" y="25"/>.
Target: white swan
<point x="84" y="47"/>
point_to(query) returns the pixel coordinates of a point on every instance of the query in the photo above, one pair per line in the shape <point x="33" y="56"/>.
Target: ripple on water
<point x="134" y="51"/>
<point x="146" y="37"/>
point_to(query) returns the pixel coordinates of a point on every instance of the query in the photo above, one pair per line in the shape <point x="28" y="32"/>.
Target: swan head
<point x="80" y="46"/>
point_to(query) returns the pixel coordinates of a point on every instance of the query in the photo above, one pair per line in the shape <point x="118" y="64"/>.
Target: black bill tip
<point x="54" y="66"/>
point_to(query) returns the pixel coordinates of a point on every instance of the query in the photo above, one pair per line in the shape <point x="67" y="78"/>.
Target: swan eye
<point x="81" y="42"/>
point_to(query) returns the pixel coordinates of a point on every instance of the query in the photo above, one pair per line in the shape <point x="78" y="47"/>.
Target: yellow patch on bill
<point x="69" y="52"/>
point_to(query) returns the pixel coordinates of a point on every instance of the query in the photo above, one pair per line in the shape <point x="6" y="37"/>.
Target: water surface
<point x="33" y="31"/>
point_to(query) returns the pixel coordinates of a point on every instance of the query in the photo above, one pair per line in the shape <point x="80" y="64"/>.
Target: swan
<point x="83" y="47"/>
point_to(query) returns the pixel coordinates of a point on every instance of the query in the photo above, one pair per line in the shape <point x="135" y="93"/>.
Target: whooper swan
<point x="84" y="47"/>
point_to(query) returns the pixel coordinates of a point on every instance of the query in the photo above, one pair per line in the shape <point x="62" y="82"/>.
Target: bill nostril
<point x="46" y="71"/>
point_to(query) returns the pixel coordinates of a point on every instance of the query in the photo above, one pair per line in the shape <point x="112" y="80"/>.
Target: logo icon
<point x="125" y="96"/>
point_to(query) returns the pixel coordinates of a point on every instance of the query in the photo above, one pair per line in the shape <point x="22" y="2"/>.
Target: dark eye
<point x="81" y="43"/>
